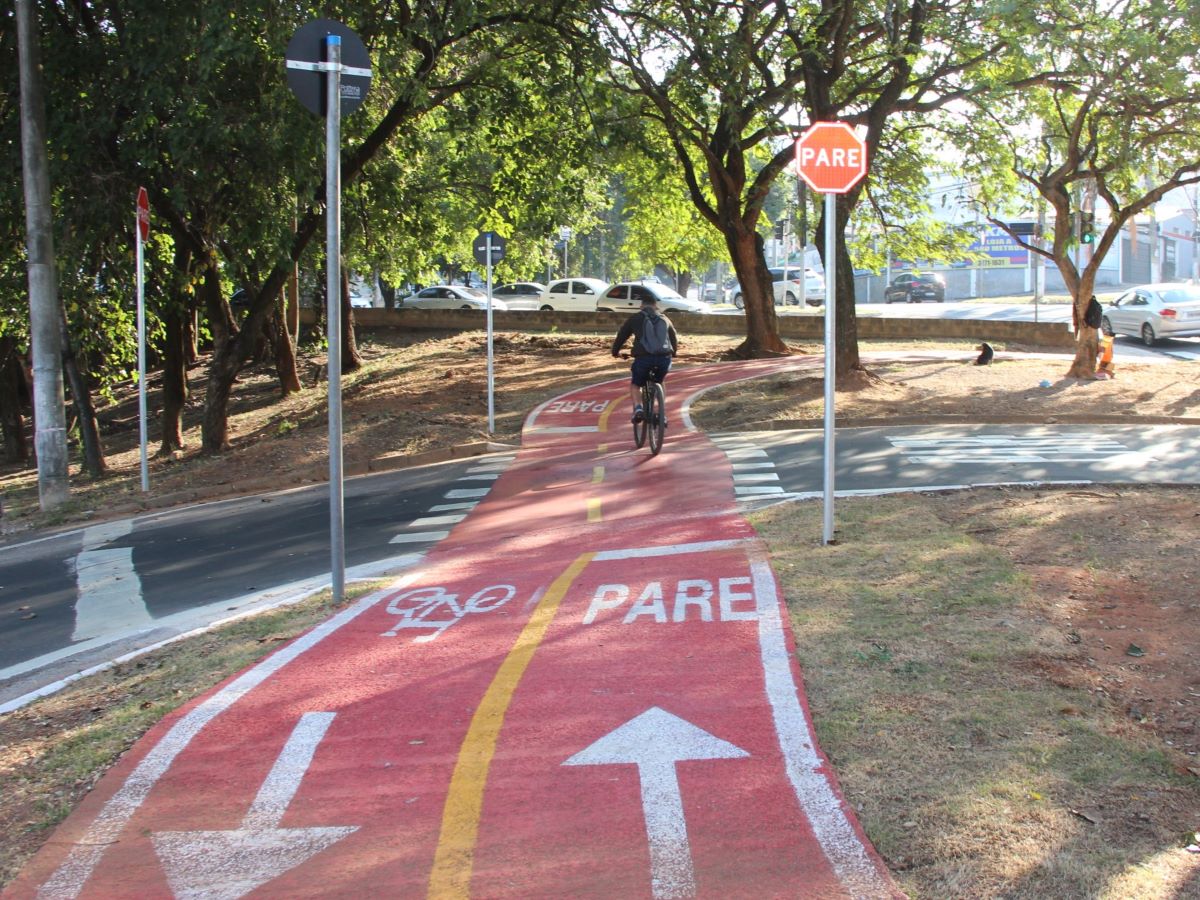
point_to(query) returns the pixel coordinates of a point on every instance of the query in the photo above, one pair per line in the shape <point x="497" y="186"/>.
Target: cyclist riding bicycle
<point x="654" y="343"/>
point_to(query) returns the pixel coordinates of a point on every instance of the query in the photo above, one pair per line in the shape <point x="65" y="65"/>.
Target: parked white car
<point x="791" y="284"/>
<point x="450" y="296"/>
<point x="626" y="296"/>
<point x="1153" y="311"/>
<point x="578" y="294"/>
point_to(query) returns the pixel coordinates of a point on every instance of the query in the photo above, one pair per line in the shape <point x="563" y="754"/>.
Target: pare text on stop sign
<point x="833" y="157"/>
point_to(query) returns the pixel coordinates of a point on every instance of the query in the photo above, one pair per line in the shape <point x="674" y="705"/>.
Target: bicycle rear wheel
<point x="640" y="428"/>
<point x="656" y="418"/>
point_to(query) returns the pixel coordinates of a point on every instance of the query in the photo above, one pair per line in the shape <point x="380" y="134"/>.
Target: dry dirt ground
<point x="1122" y="584"/>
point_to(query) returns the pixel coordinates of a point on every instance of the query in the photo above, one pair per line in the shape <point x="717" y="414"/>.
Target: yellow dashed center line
<point x="455" y="857"/>
<point x="597" y="474"/>
<point x="602" y="448"/>
<point x="593" y="509"/>
<point x="603" y="423"/>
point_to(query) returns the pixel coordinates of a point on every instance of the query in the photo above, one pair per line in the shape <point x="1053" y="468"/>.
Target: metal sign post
<point x="315" y="69"/>
<point x="143" y="233"/>
<point x="333" y="310"/>
<point x="831" y="158"/>
<point x="830" y="362"/>
<point x="489" y="250"/>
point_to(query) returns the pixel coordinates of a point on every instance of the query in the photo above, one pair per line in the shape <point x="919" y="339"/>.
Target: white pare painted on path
<point x="688" y="599"/>
<point x="655" y="741"/>
<point x="109" y="589"/>
<point x="225" y="865"/>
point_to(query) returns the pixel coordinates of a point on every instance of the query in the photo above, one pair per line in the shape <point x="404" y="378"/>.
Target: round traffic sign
<point x="481" y="248"/>
<point x="306" y="50"/>
<point x="831" y="157"/>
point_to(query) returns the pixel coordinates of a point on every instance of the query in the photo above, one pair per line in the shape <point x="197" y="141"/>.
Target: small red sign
<point x="143" y="213"/>
<point x="831" y="157"/>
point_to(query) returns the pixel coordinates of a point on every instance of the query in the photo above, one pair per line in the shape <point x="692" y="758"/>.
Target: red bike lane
<point x="586" y="690"/>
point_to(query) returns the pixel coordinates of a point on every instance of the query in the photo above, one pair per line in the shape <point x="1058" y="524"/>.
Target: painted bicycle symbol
<point x="436" y="608"/>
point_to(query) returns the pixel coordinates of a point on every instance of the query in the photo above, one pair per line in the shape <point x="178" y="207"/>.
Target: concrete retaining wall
<point x="791" y="326"/>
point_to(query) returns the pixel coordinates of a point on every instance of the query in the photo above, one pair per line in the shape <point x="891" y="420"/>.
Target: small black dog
<point x="985" y="354"/>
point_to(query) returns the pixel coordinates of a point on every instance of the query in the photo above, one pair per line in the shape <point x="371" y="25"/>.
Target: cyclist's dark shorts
<point x="645" y="366"/>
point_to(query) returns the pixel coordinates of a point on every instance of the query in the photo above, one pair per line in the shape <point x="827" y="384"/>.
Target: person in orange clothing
<point x="1105" y="357"/>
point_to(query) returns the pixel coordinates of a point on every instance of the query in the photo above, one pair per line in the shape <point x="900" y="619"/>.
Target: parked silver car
<point x="450" y="296"/>
<point x="1153" y="311"/>
<point x="790" y="284"/>
<point x="520" y="294"/>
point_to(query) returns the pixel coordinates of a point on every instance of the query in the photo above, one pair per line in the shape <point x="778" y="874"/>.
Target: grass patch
<point x="973" y="775"/>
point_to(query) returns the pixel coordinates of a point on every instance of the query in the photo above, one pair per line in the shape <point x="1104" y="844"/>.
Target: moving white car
<point x="450" y="296"/>
<point x="626" y="296"/>
<point x="573" y="294"/>
<point x="1153" y="311"/>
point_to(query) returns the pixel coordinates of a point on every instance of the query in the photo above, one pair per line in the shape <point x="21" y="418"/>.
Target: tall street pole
<point x="333" y="309"/>
<point x="45" y="315"/>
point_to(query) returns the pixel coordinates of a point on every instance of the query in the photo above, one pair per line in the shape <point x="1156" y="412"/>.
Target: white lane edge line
<point x="821" y="804"/>
<point x="417" y="537"/>
<point x="426" y="521"/>
<point x="71" y="875"/>
<point x="669" y="550"/>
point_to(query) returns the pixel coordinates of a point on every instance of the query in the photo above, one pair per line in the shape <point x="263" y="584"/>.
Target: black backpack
<point x="655" y="338"/>
<point x="1094" y="314"/>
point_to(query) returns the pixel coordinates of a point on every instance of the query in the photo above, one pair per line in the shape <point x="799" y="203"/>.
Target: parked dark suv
<point x="915" y="288"/>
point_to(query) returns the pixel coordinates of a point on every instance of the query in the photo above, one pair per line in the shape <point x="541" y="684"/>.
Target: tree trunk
<point x="292" y="315"/>
<point x="89" y="432"/>
<point x="223" y="368"/>
<point x="285" y="352"/>
<point x="191" y="343"/>
<point x="14" y="394"/>
<point x="758" y="294"/>
<point x="1087" y="339"/>
<point x="846" y="337"/>
<point x="176" y="318"/>
<point x="175" y="384"/>
<point x="351" y="361"/>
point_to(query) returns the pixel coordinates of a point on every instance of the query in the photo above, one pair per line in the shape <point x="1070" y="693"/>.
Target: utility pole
<point x="45" y="314"/>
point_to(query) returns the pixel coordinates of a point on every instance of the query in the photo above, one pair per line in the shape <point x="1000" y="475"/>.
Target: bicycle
<point x="653" y="424"/>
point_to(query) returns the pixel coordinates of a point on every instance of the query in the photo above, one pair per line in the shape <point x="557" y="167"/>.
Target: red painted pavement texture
<point x="460" y="705"/>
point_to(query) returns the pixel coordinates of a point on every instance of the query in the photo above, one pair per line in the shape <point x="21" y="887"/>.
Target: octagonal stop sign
<point x="831" y="157"/>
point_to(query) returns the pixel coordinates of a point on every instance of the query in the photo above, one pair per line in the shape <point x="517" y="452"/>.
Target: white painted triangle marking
<point x="655" y="741"/>
<point x="225" y="865"/>
<point x="108" y="590"/>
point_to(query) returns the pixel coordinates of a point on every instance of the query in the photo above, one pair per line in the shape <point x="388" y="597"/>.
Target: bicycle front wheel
<point x="656" y="418"/>
<point x="640" y="428"/>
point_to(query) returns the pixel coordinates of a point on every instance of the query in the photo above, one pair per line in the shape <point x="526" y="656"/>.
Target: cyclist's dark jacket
<point x="633" y="326"/>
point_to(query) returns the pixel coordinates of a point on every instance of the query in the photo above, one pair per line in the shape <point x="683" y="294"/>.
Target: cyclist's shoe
<point x="639" y="415"/>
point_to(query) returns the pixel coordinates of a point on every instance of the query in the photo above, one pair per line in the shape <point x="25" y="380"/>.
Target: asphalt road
<point x="93" y="592"/>
<point x="776" y="465"/>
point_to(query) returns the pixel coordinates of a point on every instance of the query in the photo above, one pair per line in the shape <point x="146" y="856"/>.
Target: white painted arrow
<point x="655" y="741"/>
<point x="225" y="865"/>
